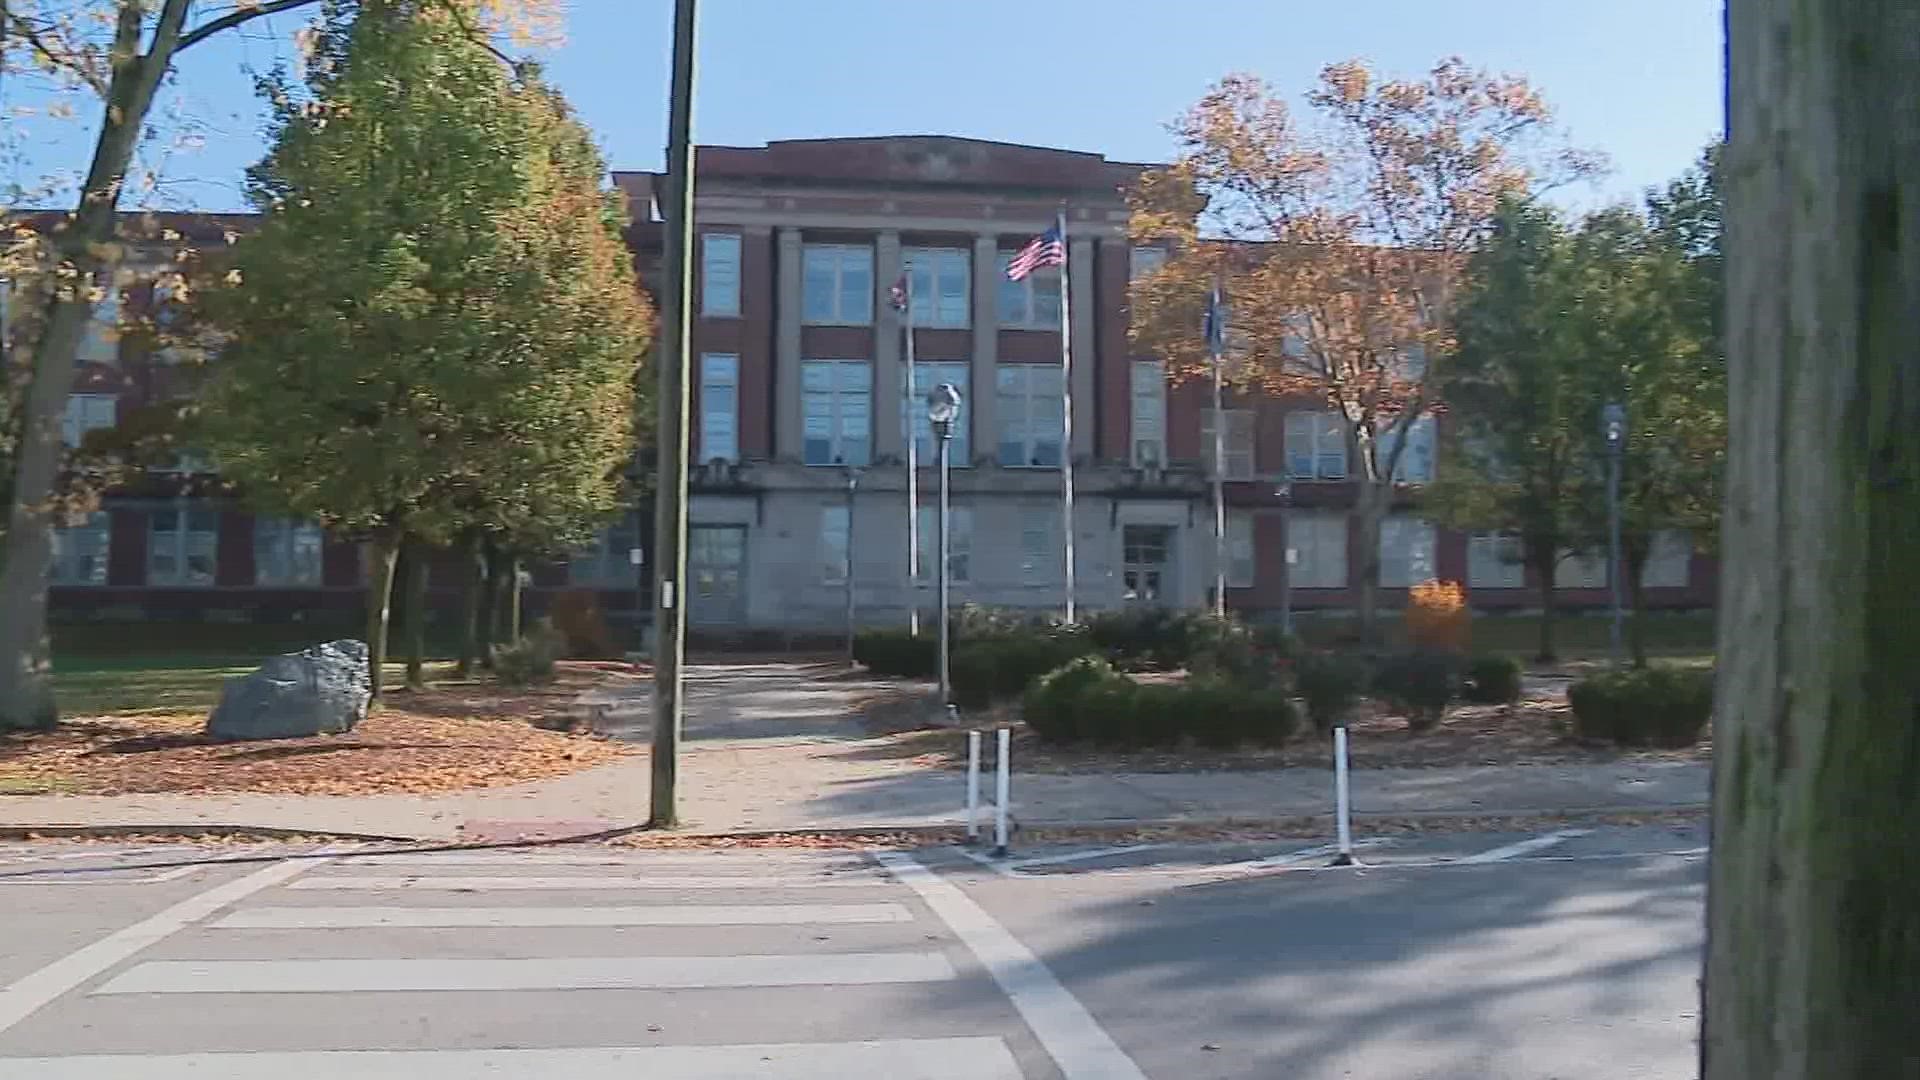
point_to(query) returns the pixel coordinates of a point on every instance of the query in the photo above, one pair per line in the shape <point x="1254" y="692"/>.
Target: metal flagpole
<point x="1066" y="403"/>
<point x="913" y="464"/>
<point x="1215" y="335"/>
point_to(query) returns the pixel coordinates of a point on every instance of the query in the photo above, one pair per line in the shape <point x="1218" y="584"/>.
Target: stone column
<point x="986" y="346"/>
<point x="787" y="426"/>
<point x="1080" y="252"/>
<point x="888" y="379"/>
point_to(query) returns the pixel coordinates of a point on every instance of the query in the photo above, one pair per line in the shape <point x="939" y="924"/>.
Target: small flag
<point x="898" y="294"/>
<point x="1215" y="323"/>
<point x="1047" y="249"/>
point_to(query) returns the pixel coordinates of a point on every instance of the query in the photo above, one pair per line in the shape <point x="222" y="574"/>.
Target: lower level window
<point x="181" y="546"/>
<point x="286" y="551"/>
<point x="80" y="551"/>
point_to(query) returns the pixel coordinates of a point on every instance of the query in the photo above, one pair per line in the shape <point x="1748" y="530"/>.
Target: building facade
<point x="804" y="408"/>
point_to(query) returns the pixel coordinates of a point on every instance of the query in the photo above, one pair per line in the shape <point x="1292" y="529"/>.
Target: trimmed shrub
<point x="1421" y="684"/>
<point x="1437" y="617"/>
<point x="999" y="668"/>
<point x="1134" y="637"/>
<point x="1088" y="700"/>
<point x="1491" y="680"/>
<point x="530" y="660"/>
<point x="1330" y="684"/>
<point x="1265" y="717"/>
<point x="1657" y="706"/>
<point x="1048" y="705"/>
<point x="897" y="653"/>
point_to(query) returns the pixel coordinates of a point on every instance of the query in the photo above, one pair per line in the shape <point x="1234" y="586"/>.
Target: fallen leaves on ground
<point x="444" y="738"/>
<point x="1535" y="731"/>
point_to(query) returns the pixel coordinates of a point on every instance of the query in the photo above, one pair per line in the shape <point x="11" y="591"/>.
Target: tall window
<point x="101" y="342"/>
<point x="608" y="562"/>
<point x="86" y="412"/>
<point x="1146" y="260"/>
<point x="720" y="274"/>
<point x="1316" y="446"/>
<point x="837" y="284"/>
<point x="181" y="546"/>
<point x="1031" y="408"/>
<point x="1238" y="443"/>
<point x="1668" y="560"/>
<point x="926" y="376"/>
<point x="1240" y="563"/>
<point x="836" y="398"/>
<point x="719" y="407"/>
<point x="286" y="551"/>
<point x="1146" y="551"/>
<point x="1586" y="570"/>
<point x="959" y="543"/>
<point x="1416" y="462"/>
<point x="940" y="282"/>
<point x="1406" y="552"/>
<point x="1041" y="552"/>
<point x="1319" y="544"/>
<point x="835" y="529"/>
<point x="1149" y="392"/>
<point x="1493" y="561"/>
<point x="80" y="551"/>
<point x="1030" y="304"/>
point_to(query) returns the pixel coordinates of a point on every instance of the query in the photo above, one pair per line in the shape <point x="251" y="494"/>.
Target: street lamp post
<point x="1284" y="492"/>
<point x="943" y="407"/>
<point x="1613" y="427"/>
<point x="846" y="571"/>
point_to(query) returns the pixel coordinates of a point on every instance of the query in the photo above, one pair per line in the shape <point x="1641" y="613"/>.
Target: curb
<point x="190" y="832"/>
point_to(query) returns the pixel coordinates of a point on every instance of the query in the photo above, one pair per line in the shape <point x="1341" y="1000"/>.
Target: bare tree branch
<point x="236" y="17"/>
<point x="67" y="59"/>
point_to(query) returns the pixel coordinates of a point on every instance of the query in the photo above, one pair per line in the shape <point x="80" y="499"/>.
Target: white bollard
<point x="1342" y="807"/>
<point x="973" y="787"/>
<point x="1003" y="776"/>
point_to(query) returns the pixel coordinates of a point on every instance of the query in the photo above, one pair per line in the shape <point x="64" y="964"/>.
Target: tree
<point x="1519" y="401"/>
<point x="123" y="65"/>
<point x="1813" y="902"/>
<point x="435" y="325"/>
<point x="1342" y="247"/>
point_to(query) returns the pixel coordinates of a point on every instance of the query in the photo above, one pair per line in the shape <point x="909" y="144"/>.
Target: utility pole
<point x="670" y="524"/>
<point x="1613" y="426"/>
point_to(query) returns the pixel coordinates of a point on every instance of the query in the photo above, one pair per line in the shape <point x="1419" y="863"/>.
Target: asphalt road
<point x="1476" y="957"/>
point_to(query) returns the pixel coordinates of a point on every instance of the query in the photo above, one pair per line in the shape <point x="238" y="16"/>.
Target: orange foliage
<point x="1438" y="618"/>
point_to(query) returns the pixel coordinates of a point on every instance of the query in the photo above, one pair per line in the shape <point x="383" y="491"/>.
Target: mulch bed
<point x="448" y="737"/>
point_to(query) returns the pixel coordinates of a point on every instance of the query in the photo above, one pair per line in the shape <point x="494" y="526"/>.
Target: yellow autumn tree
<point x="1340" y="238"/>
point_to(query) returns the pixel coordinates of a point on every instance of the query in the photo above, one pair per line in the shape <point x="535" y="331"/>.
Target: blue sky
<point x="1639" y="80"/>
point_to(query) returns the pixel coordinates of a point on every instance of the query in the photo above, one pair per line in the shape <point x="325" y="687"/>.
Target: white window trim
<point x="183" y="548"/>
<point x="1030" y="286"/>
<point x="926" y="375"/>
<point x="1147" y="395"/>
<point x="719" y="371"/>
<point x="1028" y="441"/>
<point x="1327" y="434"/>
<point x="284" y="534"/>
<point x="838" y="317"/>
<point x="1318" y="536"/>
<point x="1240" y="458"/>
<point x="1493" y="561"/>
<point x="959" y="544"/>
<point x="99" y="524"/>
<point x="87" y="412"/>
<point x="722" y="302"/>
<point x="1419" y="565"/>
<point x="841" y="441"/>
<point x="925" y="265"/>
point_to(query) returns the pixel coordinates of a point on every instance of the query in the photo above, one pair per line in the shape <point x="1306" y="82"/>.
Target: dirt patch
<point x="1535" y="731"/>
<point x="444" y="738"/>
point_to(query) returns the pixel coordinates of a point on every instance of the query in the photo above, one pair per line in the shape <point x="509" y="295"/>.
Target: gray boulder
<point x="320" y="690"/>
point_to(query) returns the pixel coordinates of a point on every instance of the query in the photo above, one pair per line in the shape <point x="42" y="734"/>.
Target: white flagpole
<point x="1215" y="335"/>
<point x="913" y="464"/>
<point x="1066" y="403"/>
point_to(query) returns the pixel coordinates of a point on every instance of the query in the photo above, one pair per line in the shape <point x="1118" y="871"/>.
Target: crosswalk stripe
<point x="1523" y="847"/>
<point x="748" y="864"/>
<point x="334" y="918"/>
<point x="608" y="882"/>
<point x="972" y="1058"/>
<point x="538" y="973"/>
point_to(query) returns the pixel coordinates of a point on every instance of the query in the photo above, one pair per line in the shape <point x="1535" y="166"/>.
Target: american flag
<point x="1047" y="249"/>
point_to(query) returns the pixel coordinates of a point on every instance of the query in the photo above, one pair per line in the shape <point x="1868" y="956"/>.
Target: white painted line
<point x="998" y="866"/>
<point x="334" y="918"/>
<point x="98" y="876"/>
<point x="746" y="864"/>
<point x="34" y="990"/>
<point x="1525" y="847"/>
<point x="977" y="1058"/>
<point x="610" y="883"/>
<point x="1082" y="856"/>
<point x="534" y="973"/>
<point x="1290" y="858"/>
<point x="1079" y="1046"/>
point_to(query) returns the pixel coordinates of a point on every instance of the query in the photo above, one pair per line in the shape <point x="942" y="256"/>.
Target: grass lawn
<point x="1685" y="636"/>
<point x="163" y="684"/>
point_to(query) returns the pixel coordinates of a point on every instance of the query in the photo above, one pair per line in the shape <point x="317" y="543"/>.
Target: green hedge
<point x="897" y="653"/>
<point x="1088" y="701"/>
<point x="1491" y="680"/>
<point x="1001" y="668"/>
<point x="1330" y="685"/>
<point x="1421" y="684"/>
<point x="1656" y="706"/>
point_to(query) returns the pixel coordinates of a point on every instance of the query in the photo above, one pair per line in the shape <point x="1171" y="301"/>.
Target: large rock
<point x="320" y="690"/>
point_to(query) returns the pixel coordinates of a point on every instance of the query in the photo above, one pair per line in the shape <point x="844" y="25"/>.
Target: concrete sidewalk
<point x="779" y="746"/>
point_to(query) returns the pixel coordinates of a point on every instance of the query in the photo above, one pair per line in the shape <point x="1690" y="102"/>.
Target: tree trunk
<point x="1634" y="563"/>
<point x="1549" y="598"/>
<point x="516" y="622"/>
<point x="1813" y="940"/>
<point x="1369" y="509"/>
<point x="86" y="250"/>
<point x="473" y="576"/>
<point x="415" y="611"/>
<point x="385" y="554"/>
<point x="489" y="601"/>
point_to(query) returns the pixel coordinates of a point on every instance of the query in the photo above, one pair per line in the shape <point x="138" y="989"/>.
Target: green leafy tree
<point x="435" y="326"/>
